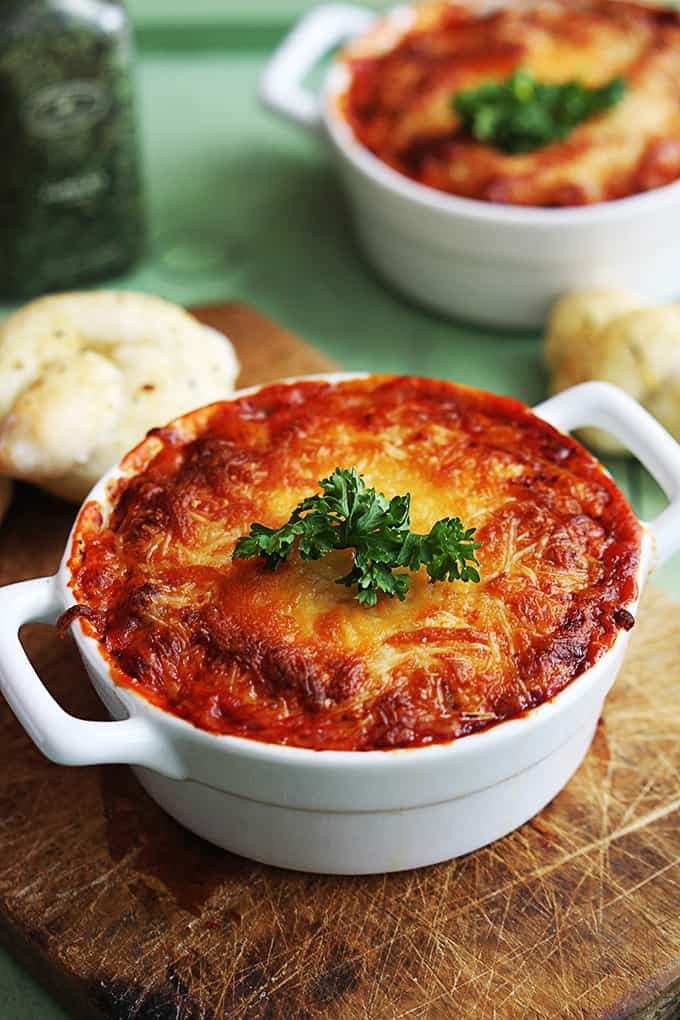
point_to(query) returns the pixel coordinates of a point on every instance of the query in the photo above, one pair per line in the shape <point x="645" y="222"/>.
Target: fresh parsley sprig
<point x="347" y="514"/>
<point x="521" y="114"/>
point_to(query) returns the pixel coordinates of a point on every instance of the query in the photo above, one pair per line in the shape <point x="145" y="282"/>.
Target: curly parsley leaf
<point x="347" y="514"/>
<point x="521" y="114"/>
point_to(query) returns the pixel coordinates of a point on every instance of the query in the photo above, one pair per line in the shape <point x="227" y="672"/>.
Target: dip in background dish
<point x="400" y="100"/>
<point x="290" y="657"/>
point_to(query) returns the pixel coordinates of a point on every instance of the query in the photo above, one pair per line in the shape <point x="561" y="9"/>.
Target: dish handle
<point x="62" y="737"/>
<point x="315" y="35"/>
<point x="607" y="406"/>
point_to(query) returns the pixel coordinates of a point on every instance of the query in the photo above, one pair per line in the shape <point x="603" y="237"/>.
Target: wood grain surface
<point x="130" y="917"/>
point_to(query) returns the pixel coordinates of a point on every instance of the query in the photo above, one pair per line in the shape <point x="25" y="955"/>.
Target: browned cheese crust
<point x="400" y="99"/>
<point x="291" y="657"/>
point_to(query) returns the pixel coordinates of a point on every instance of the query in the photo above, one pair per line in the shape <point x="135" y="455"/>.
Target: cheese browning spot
<point x="289" y="656"/>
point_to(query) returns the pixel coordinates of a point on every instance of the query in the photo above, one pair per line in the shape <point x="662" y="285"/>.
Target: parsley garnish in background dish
<point x="349" y="515"/>
<point x="521" y="114"/>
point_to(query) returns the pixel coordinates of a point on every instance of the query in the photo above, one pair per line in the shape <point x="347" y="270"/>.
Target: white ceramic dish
<point x="342" y="812"/>
<point x="500" y="265"/>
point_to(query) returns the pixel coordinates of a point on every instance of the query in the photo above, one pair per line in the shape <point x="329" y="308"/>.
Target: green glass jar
<point x="70" y="194"/>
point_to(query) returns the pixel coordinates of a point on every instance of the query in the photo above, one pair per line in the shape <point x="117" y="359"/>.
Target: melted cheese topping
<point x="400" y="100"/>
<point x="291" y="657"/>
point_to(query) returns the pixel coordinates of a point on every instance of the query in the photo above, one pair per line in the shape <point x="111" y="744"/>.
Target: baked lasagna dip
<point x="547" y="103"/>
<point x="376" y="563"/>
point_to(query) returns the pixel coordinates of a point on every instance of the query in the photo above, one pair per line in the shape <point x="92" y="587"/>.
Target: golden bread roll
<point x="604" y="334"/>
<point x="84" y="376"/>
<point x="639" y="350"/>
<point x="570" y="327"/>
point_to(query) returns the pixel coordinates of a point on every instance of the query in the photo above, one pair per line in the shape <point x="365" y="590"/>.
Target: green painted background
<point x="244" y="206"/>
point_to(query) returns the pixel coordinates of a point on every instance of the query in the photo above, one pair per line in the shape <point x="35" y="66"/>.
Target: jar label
<point x="73" y="190"/>
<point x="65" y="108"/>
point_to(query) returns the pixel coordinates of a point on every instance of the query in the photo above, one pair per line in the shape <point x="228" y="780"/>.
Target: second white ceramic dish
<point x="494" y="264"/>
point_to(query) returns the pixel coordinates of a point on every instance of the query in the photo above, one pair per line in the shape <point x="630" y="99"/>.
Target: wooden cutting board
<point x="130" y="917"/>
